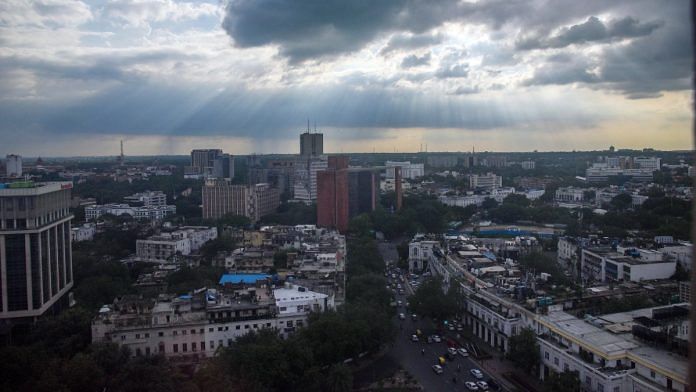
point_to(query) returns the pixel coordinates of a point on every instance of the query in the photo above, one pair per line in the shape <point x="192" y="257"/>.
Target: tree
<point x="524" y="350"/>
<point x="339" y="379"/>
<point x="621" y="202"/>
<point x="516" y="199"/>
<point x="431" y="300"/>
<point x="234" y="220"/>
<point x="489" y="203"/>
<point x="567" y="382"/>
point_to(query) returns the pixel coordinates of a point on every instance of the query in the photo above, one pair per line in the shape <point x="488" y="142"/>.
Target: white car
<point x="436" y="339"/>
<point x="452" y="351"/>
<point x="471" y="386"/>
<point x="482" y="385"/>
<point x="437" y="369"/>
<point x="402" y="316"/>
<point x="476" y="373"/>
<point x="463" y="352"/>
<point x="414" y="338"/>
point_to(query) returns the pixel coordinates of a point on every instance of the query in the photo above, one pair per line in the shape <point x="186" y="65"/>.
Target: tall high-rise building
<point x="35" y="249"/>
<point x="210" y="163"/>
<point x="311" y="144"/>
<point x="13" y="166"/>
<point x="343" y="193"/>
<point x="220" y="197"/>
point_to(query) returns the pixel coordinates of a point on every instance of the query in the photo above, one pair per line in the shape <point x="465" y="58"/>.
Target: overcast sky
<point x="506" y="75"/>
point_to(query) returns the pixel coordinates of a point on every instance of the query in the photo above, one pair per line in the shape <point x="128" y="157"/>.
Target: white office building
<point x="148" y="213"/>
<point x="485" y="181"/>
<point x="570" y="194"/>
<point x="148" y="198"/>
<point x="624" y="264"/>
<point x="162" y="248"/>
<point x="13" y="166"/>
<point x="409" y="170"/>
<point x="85" y="232"/>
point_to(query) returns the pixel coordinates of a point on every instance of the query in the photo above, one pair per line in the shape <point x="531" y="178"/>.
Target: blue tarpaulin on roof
<point x="242" y="278"/>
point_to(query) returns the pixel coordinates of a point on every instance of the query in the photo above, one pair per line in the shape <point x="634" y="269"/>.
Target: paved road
<point x="408" y="354"/>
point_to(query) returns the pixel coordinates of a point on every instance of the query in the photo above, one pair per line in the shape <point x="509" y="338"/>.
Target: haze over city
<point x="168" y="76"/>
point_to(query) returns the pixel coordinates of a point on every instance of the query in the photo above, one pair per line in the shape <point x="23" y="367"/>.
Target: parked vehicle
<point x="437" y="369"/>
<point x="476" y="373"/>
<point x="402" y="316"/>
<point x="452" y="351"/>
<point x="471" y="386"/>
<point x="482" y="385"/>
<point x="437" y="339"/>
<point x="462" y="351"/>
<point x="414" y="338"/>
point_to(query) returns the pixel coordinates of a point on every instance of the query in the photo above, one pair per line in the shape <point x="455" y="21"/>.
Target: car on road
<point x="414" y="317"/>
<point x="452" y="351"/>
<point x="451" y="327"/>
<point x="401" y="291"/>
<point x="399" y="303"/>
<point x="402" y="316"/>
<point x="460" y="328"/>
<point x="482" y="385"/>
<point x="476" y="373"/>
<point x="414" y="338"/>
<point x="462" y="351"/>
<point x="471" y="386"/>
<point x="430" y="339"/>
<point x="437" y="339"/>
<point x="437" y="369"/>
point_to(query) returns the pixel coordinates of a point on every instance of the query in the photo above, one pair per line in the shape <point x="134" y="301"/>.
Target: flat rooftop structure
<point x="598" y="338"/>
<point x="242" y="278"/>
<point x="29" y="188"/>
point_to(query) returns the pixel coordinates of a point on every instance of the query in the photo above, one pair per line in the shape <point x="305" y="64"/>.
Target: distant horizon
<point x="2" y="157"/>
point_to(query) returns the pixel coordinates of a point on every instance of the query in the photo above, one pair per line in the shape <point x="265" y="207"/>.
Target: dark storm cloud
<point x="411" y="41"/>
<point x="312" y="29"/>
<point x="93" y="67"/>
<point x="415" y="61"/>
<point x="643" y="68"/>
<point x="592" y="30"/>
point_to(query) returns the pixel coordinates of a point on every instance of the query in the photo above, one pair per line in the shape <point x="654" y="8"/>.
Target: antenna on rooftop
<point x="315" y="126"/>
<point x="307" y="124"/>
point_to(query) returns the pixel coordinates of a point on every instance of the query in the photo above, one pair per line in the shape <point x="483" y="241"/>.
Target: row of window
<point x="146" y="335"/>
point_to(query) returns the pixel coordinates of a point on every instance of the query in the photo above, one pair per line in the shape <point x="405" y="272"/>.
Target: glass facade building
<point x="35" y="248"/>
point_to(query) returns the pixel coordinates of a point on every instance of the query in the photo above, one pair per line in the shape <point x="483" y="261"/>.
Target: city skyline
<point x="167" y="77"/>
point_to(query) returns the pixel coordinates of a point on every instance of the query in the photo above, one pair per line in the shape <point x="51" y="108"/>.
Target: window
<point x="565" y="367"/>
<point x="184" y="347"/>
<point x="211" y="329"/>
<point x="219" y="329"/>
<point x="160" y="333"/>
<point x="147" y="335"/>
<point x="555" y="361"/>
<point x="123" y="337"/>
<point x="246" y="326"/>
<point x="202" y="346"/>
<point x="617" y="389"/>
<point x="147" y="350"/>
<point x="137" y="336"/>
<point x="238" y="327"/>
<point x="193" y="332"/>
<point x="194" y="346"/>
<point x="600" y="387"/>
<point x="220" y="343"/>
<point x="652" y="374"/>
<point x="176" y="348"/>
<point x="256" y="325"/>
<point x="588" y="381"/>
<point x="175" y="333"/>
<point x="283" y="308"/>
<point x="201" y="330"/>
<point x="546" y="355"/>
<point x="138" y="352"/>
<point x="212" y="345"/>
<point x="183" y="332"/>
